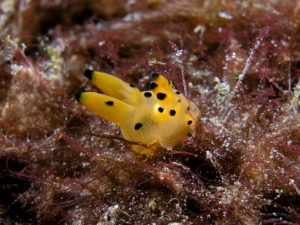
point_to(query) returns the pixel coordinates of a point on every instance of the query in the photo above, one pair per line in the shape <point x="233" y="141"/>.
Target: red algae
<point x="239" y="61"/>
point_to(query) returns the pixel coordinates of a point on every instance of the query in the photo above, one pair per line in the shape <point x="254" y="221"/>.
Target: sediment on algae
<point x="240" y="61"/>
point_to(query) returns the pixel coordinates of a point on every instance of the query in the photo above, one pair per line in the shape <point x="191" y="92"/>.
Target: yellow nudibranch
<point x="160" y="116"/>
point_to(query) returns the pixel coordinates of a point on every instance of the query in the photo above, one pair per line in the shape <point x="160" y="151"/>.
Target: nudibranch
<point x="160" y="116"/>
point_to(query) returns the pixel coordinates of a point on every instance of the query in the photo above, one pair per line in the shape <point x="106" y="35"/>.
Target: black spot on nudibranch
<point x="189" y="122"/>
<point x="147" y="94"/>
<point x="109" y="103"/>
<point x="154" y="75"/>
<point x="77" y="96"/>
<point x="138" y="126"/>
<point x="160" y="109"/>
<point x="177" y="92"/>
<point x="153" y="85"/>
<point x="161" y="96"/>
<point x="172" y="112"/>
<point x="131" y="85"/>
<point x="88" y="74"/>
<point x="189" y="135"/>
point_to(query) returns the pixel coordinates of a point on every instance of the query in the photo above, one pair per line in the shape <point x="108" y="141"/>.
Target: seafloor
<point x="61" y="164"/>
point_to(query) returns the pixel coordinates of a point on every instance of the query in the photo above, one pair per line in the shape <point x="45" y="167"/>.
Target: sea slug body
<point x="161" y="115"/>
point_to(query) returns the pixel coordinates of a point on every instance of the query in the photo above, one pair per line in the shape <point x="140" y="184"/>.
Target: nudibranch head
<point x="161" y="115"/>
